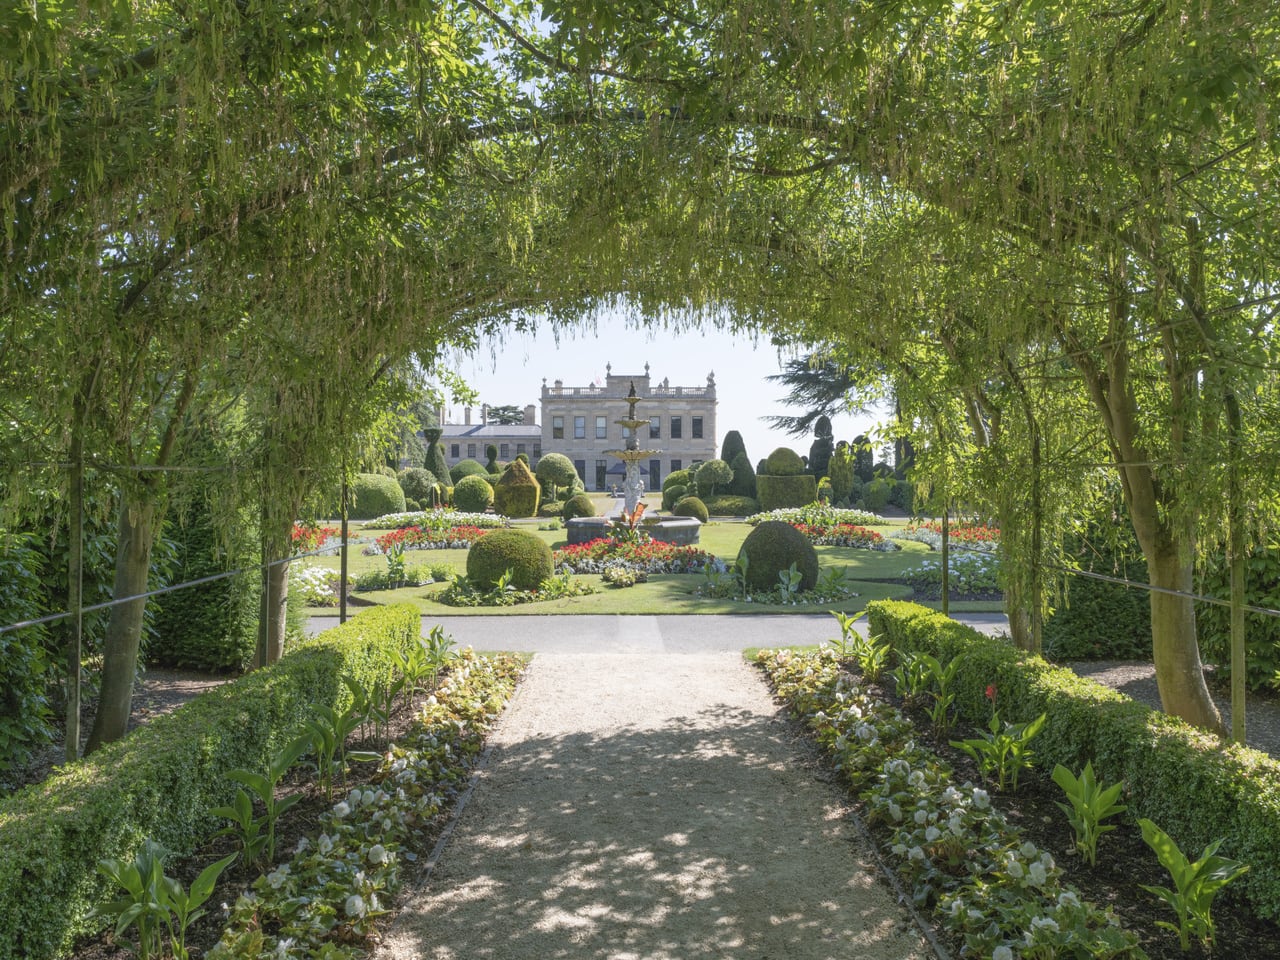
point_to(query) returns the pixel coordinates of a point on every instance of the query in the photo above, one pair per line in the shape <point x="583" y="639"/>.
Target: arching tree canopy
<point x="1043" y="228"/>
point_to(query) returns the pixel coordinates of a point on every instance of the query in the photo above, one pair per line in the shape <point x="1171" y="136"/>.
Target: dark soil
<point x="1125" y="862"/>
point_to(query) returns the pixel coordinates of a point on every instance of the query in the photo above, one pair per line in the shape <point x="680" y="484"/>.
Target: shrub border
<point x="1197" y="789"/>
<point x="162" y="780"/>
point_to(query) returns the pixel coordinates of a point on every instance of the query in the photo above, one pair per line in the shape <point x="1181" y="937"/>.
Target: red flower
<point x="991" y="692"/>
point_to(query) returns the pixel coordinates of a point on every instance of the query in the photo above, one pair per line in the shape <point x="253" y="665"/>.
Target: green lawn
<point x="666" y="593"/>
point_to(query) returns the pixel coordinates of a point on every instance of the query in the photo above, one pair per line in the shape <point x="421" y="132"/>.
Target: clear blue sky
<point x="511" y="372"/>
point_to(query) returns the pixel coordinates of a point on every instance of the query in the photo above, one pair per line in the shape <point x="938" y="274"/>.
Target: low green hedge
<point x="162" y="780"/>
<point x="1197" y="789"/>
<point x="731" y="505"/>
<point x="776" y="493"/>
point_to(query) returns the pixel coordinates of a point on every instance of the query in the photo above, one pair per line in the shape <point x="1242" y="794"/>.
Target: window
<point x="471" y="450"/>
<point x="579" y="428"/>
<point x="602" y="428"/>
<point x="504" y="451"/>
<point x="581" y="467"/>
<point x="557" y="428"/>
<point x="677" y="430"/>
<point x="602" y="468"/>
<point x="696" y="427"/>
<point x="655" y="428"/>
<point x="520" y="448"/>
<point x="675" y="465"/>
<point x="655" y="475"/>
<point x="537" y="451"/>
<point x="453" y="450"/>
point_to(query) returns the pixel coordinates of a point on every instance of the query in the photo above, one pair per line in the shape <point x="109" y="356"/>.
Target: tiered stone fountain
<point x="680" y="530"/>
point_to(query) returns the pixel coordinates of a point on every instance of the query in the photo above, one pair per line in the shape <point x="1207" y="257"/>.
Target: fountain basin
<point x="681" y="531"/>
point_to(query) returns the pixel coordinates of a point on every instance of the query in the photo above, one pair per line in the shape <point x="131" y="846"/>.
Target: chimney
<point x="484" y="414"/>
<point x="530" y="415"/>
<point x="466" y="417"/>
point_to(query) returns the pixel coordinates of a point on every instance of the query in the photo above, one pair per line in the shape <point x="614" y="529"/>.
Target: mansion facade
<point x="580" y="422"/>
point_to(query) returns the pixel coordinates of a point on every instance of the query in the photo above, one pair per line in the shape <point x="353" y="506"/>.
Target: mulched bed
<point x="304" y="819"/>
<point x="1124" y="860"/>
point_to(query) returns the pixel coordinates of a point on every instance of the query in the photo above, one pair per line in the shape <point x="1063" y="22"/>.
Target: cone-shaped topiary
<point x="473" y="494"/>
<point x="526" y="556"/>
<point x="579" y="505"/>
<point x="771" y="548"/>
<point x="691" y="507"/>
<point x="732" y="447"/>
<point x="743" y="483"/>
<point x="517" y="493"/>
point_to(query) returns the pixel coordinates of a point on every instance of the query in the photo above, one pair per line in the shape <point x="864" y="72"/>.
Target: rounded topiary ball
<point x="579" y="505"/>
<point x="527" y="557"/>
<point x="375" y="495"/>
<point x="673" y="495"/>
<point x="466" y="468"/>
<point x="691" y="507"/>
<point x="784" y="462"/>
<point x="771" y="548"/>
<point x="473" y="494"/>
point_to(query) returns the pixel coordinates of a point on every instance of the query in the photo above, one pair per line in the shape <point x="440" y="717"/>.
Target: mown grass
<point x="867" y="570"/>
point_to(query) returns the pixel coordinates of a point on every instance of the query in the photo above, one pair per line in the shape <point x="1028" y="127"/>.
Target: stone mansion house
<point x="579" y="423"/>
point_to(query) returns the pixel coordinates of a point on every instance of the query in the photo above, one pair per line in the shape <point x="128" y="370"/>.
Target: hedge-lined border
<point x="1195" y="787"/>
<point x="163" y="779"/>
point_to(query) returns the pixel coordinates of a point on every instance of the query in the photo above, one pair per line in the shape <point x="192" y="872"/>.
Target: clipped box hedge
<point x="162" y="780"/>
<point x="1193" y="786"/>
<point x="778" y="493"/>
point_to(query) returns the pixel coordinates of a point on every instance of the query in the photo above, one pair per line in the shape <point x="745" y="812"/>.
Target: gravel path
<point x="647" y="806"/>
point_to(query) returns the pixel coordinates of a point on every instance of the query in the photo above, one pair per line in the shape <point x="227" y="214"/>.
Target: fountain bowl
<point x="681" y="531"/>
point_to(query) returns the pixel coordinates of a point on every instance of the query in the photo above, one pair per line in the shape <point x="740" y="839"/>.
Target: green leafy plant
<point x="911" y="676"/>
<point x="849" y="640"/>
<point x="154" y="902"/>
<point x="832" y="580"/>
<point x="1090" y="804"/>
<point x="1003" y="751"/>
<point x="943" y="696"/>
<point x="873" y="657"/>
<point x="789" y="580"/>
<point x="258" y="836"/>
<point x="395" y="562"/>
<point x="328" y="730"/>
<point x="1196" y="884"/>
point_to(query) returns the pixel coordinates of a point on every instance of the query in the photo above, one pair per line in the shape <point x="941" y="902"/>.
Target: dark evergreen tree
<point x="822" y="447"/>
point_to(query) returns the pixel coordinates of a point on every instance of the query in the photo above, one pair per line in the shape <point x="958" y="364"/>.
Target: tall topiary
<point x="466" y="468"/>
<point x="517" y="494"/>
<point x="555" y="470"/>
<point x="732" y="447"/>
<point x="373" y="495"/>
<point x="822" y="447"/>
<point x="771" y="548"/>
<point x="491" y="459"/>
<point x="526" y="556"/>
<point x="784" y="482"/>
<point x="840" y="472"/>
<point x="743" y="483"/>
<point x="436" y="461"/>
<point x="863" y="458"/>
<point x="473" y="494"/>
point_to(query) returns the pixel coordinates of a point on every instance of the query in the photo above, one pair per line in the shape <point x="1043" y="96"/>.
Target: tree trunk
<point x="1179" y="671"/>
<point x="138" y="524"/>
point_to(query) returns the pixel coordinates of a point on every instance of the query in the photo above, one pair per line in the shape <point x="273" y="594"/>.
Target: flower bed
<point x="970" y="536"/>
<point x="652" y="556"/>
<point x="973" y="576"/>
<point x="427" y="538"/>
<point x="326" y="899"/>
<point x="308" y="537"/>
<point x="819" y="515"/>
<point x="461" y="593"/>
<point x="999" y="894"/>
<point x="845" y="535"/>
<point x="441" y="519"/>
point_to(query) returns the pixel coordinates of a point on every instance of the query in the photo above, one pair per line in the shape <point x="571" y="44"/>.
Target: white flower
<point x="1044" y="923"/>
<point x="378" y="854"/>
<point x="277" y="877"/>
<point x="895" y="811"/>
<point x="933" y="833"/>
<point x="324" y="844"/>
<point x="1028" y="850"/>
<point x="303" y="845"/>
<point x="956" y="824"/>
<point x="282" y="948"/>
<point x="951" y="795"/>
<point x="341" y="809"/>
<point x="916" y="779"/>
<point x="899" y="849"/>
<point x="1014" y="868"/>
<point x="1037" y="874"/>
<point x="957" y="906"/>
<point x="921" y="816"/>
<point x="353" y="798"/>
<point x="915" y="853"/>
<point x="354" y="906"/>
<point x="981" y="799"/>
<point x="1002" y="953"/>
<point x="368" y="797"/>
<point x="1068" y="899"/>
